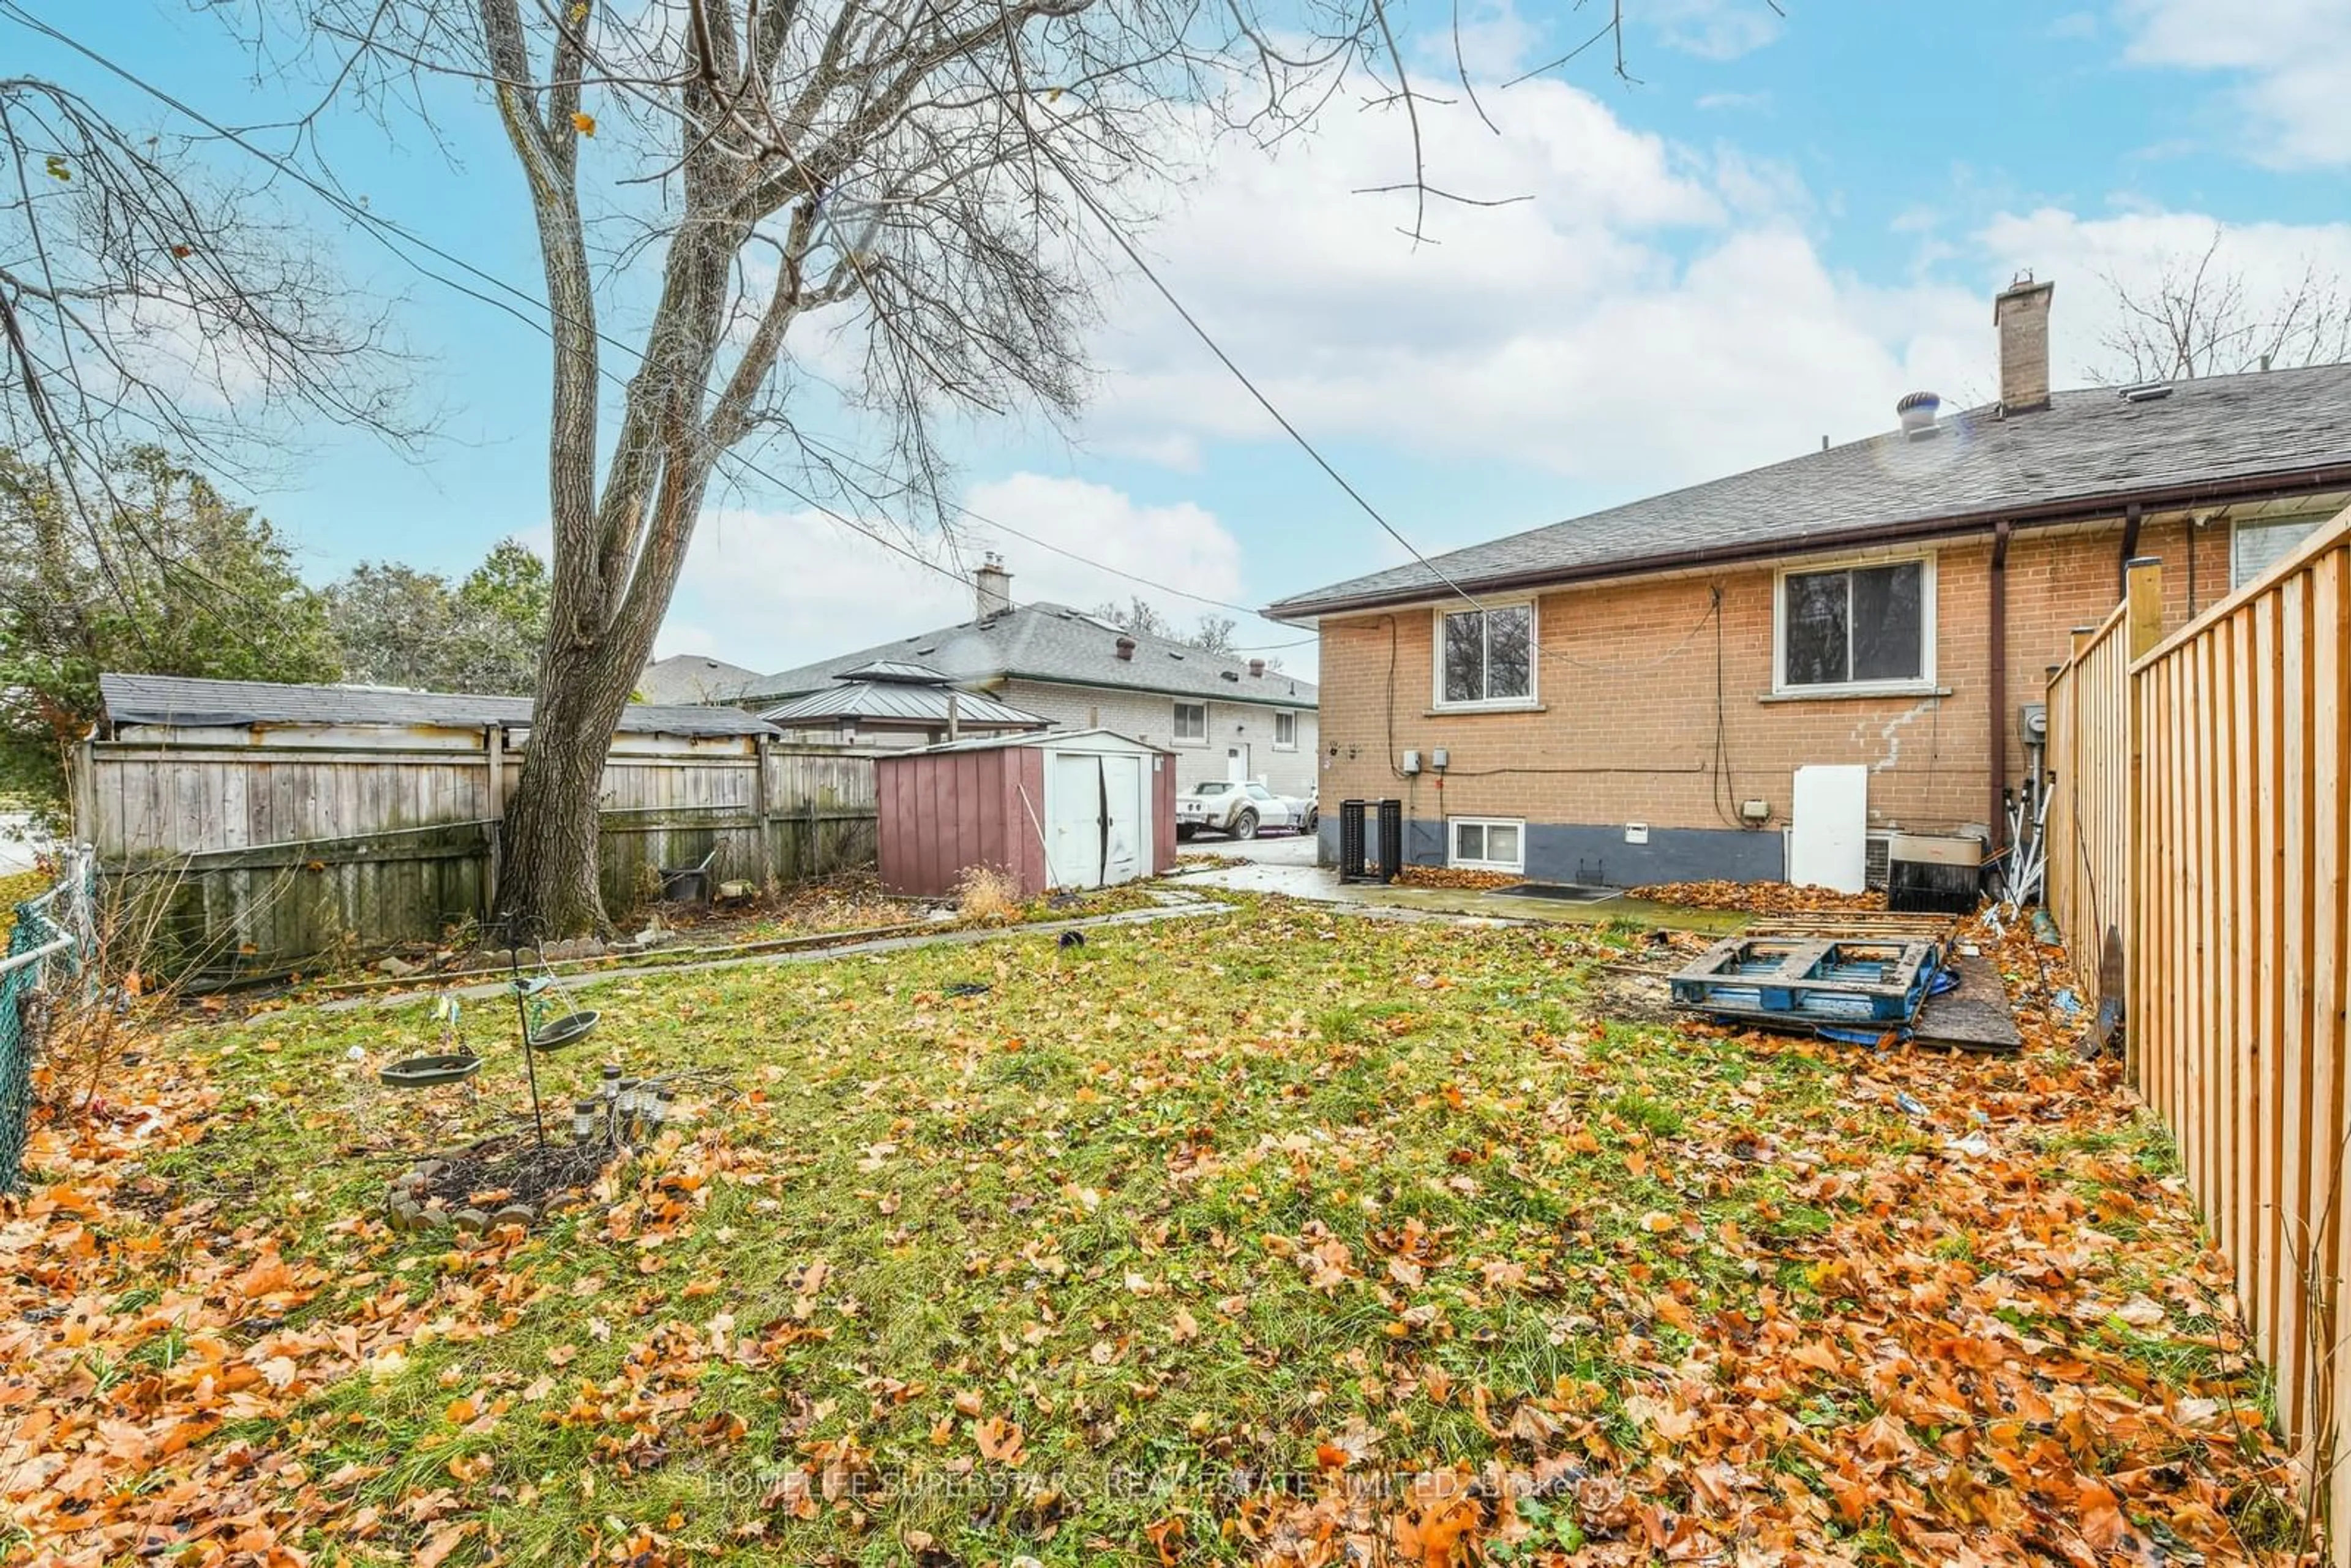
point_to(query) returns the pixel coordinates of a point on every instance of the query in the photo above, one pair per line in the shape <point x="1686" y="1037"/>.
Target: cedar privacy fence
<point x="2199" y="855"/>
<point x="245" y="858"/>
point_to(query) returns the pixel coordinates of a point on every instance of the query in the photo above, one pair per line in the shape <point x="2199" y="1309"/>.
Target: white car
<point x="1220" y="806"/>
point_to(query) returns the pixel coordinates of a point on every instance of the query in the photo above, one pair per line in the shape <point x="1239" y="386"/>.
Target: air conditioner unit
<point x="1941" y="873"/>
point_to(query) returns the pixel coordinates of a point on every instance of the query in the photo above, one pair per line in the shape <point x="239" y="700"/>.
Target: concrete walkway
<point x="1177" y="905"/>
<point x="1293" y="877"/>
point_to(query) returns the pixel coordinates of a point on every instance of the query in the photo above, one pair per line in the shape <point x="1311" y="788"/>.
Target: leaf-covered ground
<point x="1278" y="1238"/>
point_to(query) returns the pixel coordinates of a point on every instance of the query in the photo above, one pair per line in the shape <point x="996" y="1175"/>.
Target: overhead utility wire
<point x="384" y="230"/>
<point x="1118" y="236"/>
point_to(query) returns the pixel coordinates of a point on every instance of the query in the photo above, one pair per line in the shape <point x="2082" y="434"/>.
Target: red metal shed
<point x="1065" y="809"/>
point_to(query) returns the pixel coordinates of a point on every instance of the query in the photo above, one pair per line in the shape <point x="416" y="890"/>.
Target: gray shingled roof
<point x="2087" y="454"/>
<point x="901" y="700"/>
<point x="181" y="701"/>
<point x="692" y="678"/>
<point x="1053" y="642"/>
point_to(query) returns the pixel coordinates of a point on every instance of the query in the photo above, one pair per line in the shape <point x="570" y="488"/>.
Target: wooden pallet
<point x="1884" y="923"/>
<point x="1809" y="979"/>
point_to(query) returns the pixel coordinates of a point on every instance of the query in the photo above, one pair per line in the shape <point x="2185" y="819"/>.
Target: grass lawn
<point x="1268" y="1238"/>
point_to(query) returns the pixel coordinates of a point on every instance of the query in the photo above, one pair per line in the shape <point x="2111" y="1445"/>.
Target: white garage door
<point x="1127" y="830"/>
<point x="1100" y="823"/>
<point x="1073" y="794"/>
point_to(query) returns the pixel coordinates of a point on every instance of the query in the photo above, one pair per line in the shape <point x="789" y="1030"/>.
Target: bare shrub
<point x="987" y="893"/>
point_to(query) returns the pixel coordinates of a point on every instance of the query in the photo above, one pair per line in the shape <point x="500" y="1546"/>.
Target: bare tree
<point x="2199" y="318"/>
<point x="1214" y="634"/>
<point x="936" y="187"/>
<point x="145" y="303"/>
<point x="929" y="176"/>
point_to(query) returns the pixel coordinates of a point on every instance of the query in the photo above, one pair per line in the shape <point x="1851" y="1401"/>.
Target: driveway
<point x="1266" y="849"/>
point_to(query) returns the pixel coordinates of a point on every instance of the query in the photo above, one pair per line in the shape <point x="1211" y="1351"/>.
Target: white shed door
<point x="1073" y="807"/>
<point x="1126" y="839"/>
<point x="1828" y="839"/>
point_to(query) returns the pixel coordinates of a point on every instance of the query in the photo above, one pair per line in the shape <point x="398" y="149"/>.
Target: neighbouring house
<point x="891" y="703"/>
<point x="692" y="678"/>
<point x="1222" y="717"/>
<point x="1628" y="696"/>
<point x="1053" y="809"/>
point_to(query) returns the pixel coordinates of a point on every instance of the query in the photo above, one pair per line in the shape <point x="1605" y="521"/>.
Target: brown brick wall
<point x="1631" y="729"/>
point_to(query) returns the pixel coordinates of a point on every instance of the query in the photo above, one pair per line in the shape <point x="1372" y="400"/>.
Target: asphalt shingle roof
<point x="182" y="701"/>
<point x="692" y="678"/>
<point x="2088" y="453"/>
<point x="1053" y="642"/>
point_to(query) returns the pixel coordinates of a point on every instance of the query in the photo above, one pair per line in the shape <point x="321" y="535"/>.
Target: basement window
<point x="1486" y="843"/>
<point x="1486" y="658"/>
<point x="1855" y="628"/>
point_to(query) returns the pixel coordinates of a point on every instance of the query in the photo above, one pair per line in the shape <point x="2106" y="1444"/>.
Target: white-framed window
<point x="1285" y="732"/>
<point x="2255" y="545"/>
<point x="1192" y="724"/>
<point x="1865" y="627"/>
<point x="1486" y="843"/>
<point x="1486" y="658"/>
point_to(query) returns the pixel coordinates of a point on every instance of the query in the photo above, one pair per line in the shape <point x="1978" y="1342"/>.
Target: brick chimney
<point x="1124" y="647"/>
<point x="2022" y="315"/>
<point x="1256" y="669"/>
<point x="992" y="587"/>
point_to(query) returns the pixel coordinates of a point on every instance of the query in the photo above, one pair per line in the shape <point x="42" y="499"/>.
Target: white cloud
<point x="1651" y="315"/>
<point x="1713" y="30"/>
<point x="2292" y="59"/>
<point x="792" y="585"/>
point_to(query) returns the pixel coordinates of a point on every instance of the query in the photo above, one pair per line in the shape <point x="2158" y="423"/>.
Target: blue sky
<point x="1785" y="224"/>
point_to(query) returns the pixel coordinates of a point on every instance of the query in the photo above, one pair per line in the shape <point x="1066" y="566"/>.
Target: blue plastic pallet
<point x="1809" y="979"/>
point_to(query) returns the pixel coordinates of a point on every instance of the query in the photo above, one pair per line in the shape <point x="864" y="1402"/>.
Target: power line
<point x="384" y="231"/>
<point x="1118" y="236"/>
<point x="985" y="521"/>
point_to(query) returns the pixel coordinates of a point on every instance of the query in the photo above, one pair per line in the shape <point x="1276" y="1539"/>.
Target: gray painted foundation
<point x="1563" y="852"/>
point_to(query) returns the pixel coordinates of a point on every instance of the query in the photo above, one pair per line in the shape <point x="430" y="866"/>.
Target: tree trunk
<point x="549" y="876"/>
<point x="547" y="886"/>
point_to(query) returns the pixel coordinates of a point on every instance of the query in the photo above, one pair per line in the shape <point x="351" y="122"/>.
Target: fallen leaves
<point x="1406" y="1251"/>
<point x="1758" y="897"/>
<point x="999" y="1440"/>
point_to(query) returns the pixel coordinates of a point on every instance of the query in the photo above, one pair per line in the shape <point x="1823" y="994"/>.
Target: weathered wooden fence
<point x="256" y="857"/>
<point x="2088" y="876"/>
<point x="2235" y="818"/>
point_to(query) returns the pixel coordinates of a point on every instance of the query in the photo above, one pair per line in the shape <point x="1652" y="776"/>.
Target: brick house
<point x="1222" y="717"/>
<point x="1624" y="697"/>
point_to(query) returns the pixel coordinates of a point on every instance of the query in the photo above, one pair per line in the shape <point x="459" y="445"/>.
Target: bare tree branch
<point x="2197" y="318"/>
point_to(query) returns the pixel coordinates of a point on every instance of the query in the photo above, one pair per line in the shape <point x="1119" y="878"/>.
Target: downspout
<point x="1996" y="817"/>
<point x="2130" y="549"/>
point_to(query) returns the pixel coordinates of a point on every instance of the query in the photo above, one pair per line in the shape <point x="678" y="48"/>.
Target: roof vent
<point x="1232" y="675"/>
<point x="1125" y="647"/>
<point x="1256" y="669"/>
<point x="2146" y="391"/>
<point x="1917" y="411"/>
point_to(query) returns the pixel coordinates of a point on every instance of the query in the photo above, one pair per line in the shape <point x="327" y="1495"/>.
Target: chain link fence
<point x="54" y="944"/>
